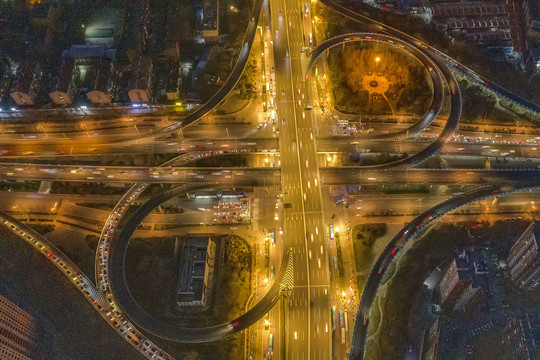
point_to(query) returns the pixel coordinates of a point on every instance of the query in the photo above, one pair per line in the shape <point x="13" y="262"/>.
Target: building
<point x="522" y="337"/>
<point x="18" y="332"/>
<point x="173" y="81"/>
<point x="5" y="79"/>
<point x="64" y="90"/>
<point x="207" y="13"/>
<point x="45" y="20"/>
<point x="100" y="83"/>
<point x="431" y="342"/>
<point x="519" y="17"/>
<point x="524" y="259"/>
<point x="464" y="285"/>
<point x="468" y="9"/>
<point x="27" y="82"/>
<point x="85" y="69"/>
<point x="196" y="271"/>
<point x="140" y="83"/>
<point x="477" y="22"/>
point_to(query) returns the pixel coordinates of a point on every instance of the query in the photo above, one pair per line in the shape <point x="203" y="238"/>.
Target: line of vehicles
<point x="86" y="287"/>
<point x="343" y="323"/>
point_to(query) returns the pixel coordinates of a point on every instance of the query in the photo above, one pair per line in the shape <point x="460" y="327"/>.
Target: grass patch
<point x="150" y="272"/>
<point x="339" y="256"/>
<point x="364" y="236"/>
<point x="235" y="279"/>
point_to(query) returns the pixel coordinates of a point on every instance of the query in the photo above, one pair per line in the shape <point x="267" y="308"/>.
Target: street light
<point x="377" y="59"/>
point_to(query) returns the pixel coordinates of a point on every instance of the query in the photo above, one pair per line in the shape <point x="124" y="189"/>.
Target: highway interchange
<point x="299" y="175"/>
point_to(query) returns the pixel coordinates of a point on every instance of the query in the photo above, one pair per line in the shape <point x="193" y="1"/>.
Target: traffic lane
<point x="298" y="339"/>
<point x="254" y="176"/>
<point x="318" y="314"/>
<point x="65" y="148"/>
<point x="260" y="177"/>
<point x="345" y="144"/>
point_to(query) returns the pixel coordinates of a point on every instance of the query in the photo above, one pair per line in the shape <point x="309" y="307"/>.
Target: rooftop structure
<point x="196" y="271"/>
<point x="86" y="67"/>
<point x="27" y="82"/>
<point x="464" y="284"/>
<point x="518" y="14"/>
<point x="140" y="84"/>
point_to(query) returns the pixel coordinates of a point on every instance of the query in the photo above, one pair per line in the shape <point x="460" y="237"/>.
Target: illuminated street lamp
<point x="377" y="59"/>
<point x="265" y="280"/>
<point x="343" y="293"/>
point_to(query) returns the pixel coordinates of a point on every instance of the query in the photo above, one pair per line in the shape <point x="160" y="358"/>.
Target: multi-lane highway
<point x="253" y="177"/>
<point x="307" y="314"/>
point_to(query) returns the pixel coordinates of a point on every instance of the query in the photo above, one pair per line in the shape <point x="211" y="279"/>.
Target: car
<point x="309" y="107"/>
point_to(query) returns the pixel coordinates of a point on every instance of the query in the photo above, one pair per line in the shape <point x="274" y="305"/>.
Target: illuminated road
<point x="307" y="312"/>
<point x="258" y="176"/>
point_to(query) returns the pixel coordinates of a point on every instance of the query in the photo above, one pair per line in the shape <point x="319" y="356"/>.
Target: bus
<point x="341" y="319"/>
<point x="333" y="318"/>
<point x="346" y="322"/>
<point x="335" y="262"/>
<point x="331" y="232"/>
<point x="342" y="336"/>
<point x="270" y="343"/>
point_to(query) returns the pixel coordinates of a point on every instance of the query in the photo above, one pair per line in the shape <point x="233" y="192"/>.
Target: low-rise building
<point x="65" y="87"/>
<point x="196" y="271"/>
<point x="86" y="69"/>
<point x="173" y="81"/>
<point x="140" y="83"/>
<point x="27" y="82"/>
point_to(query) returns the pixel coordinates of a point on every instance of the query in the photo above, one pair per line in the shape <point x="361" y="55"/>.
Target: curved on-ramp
<point x="504" y="186"/>
<point x="438" y="86"/>
<point x="162" y="329"/>
<point x="436" y="67"/>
